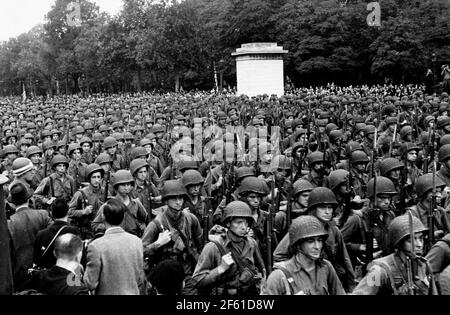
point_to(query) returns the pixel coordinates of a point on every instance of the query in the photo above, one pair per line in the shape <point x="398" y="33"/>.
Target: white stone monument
<point x="259" y="68"/>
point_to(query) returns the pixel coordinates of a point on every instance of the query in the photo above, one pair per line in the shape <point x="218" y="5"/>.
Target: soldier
<point x="360" y="177"/>
<point x="317" y="166"/>
<point x="231" y="264"/>
<point x="391" y="168"/>
<point x="194" y="201"/>
<point x="34" y="153"/>
<point x="292" y="277"/>
<point x="322" y="204"/>
<point x="424" y="189"/>
<point x="141" y="153"/>
<point x="404" y="272"/>
<point x="174" y="233"/>
<point x="144" y="190"/>
<point x="105" y="162"/>
<point x="77" y="168"/>
<point x="444" y="160"/>
<point x="152" y="160"/>
<point x="58" y="185"/>
<point x="110" y="147"/>
<point x="369" y="137"/>
<point x="86" y="202"/>
<point x="86" y="148"/>
<point x="409" y="151"/>
<point x="11" y="152"/>
<point x="136" y="217"/>
<point x="301" y="190"/>
<point x="161" y="146"/>
<point x="376" y="217"/>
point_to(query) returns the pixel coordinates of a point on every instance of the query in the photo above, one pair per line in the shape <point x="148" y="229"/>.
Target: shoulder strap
<point x="220" y="247"/>
<point x="290" y="284"/>
<point x="84" y="198"/>
<point x="387" y="268"/>
<point x="53" y="240"/>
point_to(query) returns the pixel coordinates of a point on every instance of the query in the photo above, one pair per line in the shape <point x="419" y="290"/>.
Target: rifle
<point x="290" y="199"/>
<point x="207" y="215"/>
<point x="270" y="227"/>
<point x="410" y="268"/>
<point x="431" y="209"/>
<point x="107" y="179"/>
<point x="391" y="146"/>
<point x="373" y="211"/>
<point x="403" y="181"/>
<point x="349" y="188"/>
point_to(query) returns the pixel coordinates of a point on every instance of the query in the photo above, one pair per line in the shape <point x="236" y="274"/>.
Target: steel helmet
<point x="157" y="128"/>
<point x="94" y="168"/>
<point x="425" y="183"/>
<point x="145" y="142"/>
<point x="244" y="171"/>
<point x="85" y="140"/>
<point x="11" y="149"/>
<point x="122" y="177"/>
<point x="315" y="157"/>
<point x="359" y="157"/>
<point x="103" y="159"/>
<point x="301" y="186"/>
<point x="399" y="229"/>
<point x="281" y="162"/>
<point x="139" y="152"/>
<point x="173" y="188"/>
<point x="390" y="164"/>
<point x="335" y="135"/>
<point x="192" y="177"/>
<point x="384" y="187"/>
<point x="33" y="150"/>
<point x="237" y="209"/>
<point x="305" y="227"/>
<point x="444" y="153"/>
<point x="128" y="136"/>
<point x="59" y="159"/>
<point x="321" y="196"/>
<point x="73" y="147"/>
<point x="337" y="178"/>
<point x="97" y="137"/>
<point x="21" y="166"/>
<point x="187" y="165"/>
<point x="253" y="185"/>
<point x="137" y="164"/>
<point x="109" y="142"/>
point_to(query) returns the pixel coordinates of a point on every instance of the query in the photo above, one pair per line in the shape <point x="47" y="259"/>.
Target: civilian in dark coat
<point x="24" y="225"/>
<point x="65" y="277"/>
<point x="44" y="238"/>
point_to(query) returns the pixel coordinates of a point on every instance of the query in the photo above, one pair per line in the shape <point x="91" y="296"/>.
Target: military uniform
<point x="87" y="196"/>
<point x="134" y="221"/>
<point x="77" y="169"/>
<point x="54" y="186"/>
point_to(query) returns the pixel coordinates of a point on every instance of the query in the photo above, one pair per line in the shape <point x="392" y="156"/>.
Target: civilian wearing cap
<point x="23" y="171"/>
<point x="23" y="226"/>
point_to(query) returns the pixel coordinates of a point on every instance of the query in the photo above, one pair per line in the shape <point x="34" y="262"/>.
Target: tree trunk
<point x="177" y="83"/>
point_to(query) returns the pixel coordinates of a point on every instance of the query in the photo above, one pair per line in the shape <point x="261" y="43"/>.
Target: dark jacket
<point x="44" y="238"/>
<point x="24" y="226"/>
<point x="58" y="281"/>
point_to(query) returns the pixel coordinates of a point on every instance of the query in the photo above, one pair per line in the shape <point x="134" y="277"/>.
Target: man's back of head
<point x="60" y="208"/>
<point x="68" y="247"/>
<point x="114" y="211"/>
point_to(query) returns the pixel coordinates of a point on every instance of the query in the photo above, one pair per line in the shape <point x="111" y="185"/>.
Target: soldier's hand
<point x="250" y="233"/>
<point x="88" y="210"/>
<point x="362" y="247"/>
<point x="164" y="238"/>
<point x="50" y="201"/>
<point x="227" y="261"/>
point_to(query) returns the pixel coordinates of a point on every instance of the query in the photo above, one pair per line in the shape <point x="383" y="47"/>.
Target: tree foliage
<point x="168" y="44"/>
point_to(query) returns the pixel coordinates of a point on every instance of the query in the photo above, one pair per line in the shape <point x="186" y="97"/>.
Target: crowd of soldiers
<point x="322" y="191"/>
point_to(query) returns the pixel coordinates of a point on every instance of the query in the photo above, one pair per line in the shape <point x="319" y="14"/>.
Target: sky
<point x="19" y="16"/>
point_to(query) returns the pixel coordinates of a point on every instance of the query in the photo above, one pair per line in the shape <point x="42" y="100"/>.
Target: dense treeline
<point x="160" y="45"/>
